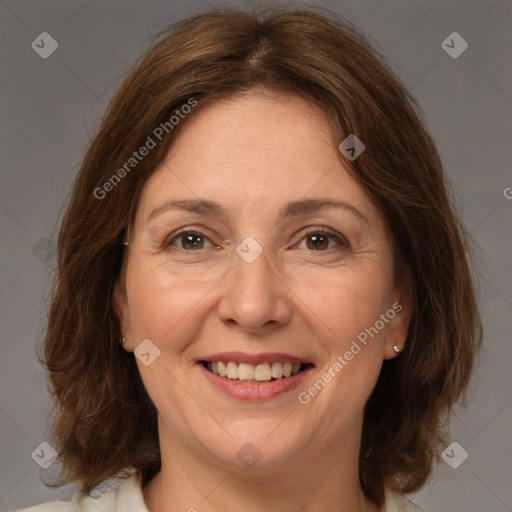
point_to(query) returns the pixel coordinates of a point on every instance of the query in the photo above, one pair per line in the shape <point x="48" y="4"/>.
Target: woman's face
<point x="253" y="246"/>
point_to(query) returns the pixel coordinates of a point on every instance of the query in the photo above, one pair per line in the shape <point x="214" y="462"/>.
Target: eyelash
<point x="339" y="239"/>
<point x="169" y="241"/>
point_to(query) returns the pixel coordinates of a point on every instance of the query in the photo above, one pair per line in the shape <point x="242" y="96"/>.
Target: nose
<point x="254" y="297"/>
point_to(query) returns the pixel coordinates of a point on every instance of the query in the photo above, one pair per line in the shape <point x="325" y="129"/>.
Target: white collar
<point x="128" y="497"/>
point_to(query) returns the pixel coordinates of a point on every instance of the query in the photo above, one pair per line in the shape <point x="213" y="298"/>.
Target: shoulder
<point x="110" y="496"/>
<point x="396" y="502"/>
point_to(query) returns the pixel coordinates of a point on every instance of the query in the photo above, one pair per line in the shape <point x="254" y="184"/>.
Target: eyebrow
<point x="200" y="206"/>
<point x="291" y="209"/>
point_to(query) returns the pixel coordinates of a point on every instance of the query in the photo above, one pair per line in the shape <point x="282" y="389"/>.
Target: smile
<point x="252" y="377"/>
<point x="246" y="372"/>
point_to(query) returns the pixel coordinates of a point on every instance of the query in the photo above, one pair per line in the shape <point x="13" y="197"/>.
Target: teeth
<point x="232" y="370"/>
<point x="245" y="371"/>
<point x="221" y="369"/>
<point x="248" y="372"/>
<point x="277" y="370"/>
<point x="262" y="372"/>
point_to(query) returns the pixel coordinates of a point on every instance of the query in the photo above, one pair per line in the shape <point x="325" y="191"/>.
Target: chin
<point x="254" y="444"/>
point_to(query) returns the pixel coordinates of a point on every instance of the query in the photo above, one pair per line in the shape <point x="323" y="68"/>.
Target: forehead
<point x="254" y="151"/>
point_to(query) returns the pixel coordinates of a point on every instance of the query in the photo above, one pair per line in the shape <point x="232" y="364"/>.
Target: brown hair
<point x="103" y="419"/>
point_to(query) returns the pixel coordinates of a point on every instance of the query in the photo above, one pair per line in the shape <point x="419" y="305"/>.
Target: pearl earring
<point x="396" y="349"/>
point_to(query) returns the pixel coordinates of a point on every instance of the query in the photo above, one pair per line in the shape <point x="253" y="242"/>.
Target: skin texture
<point x="252" y="154"/>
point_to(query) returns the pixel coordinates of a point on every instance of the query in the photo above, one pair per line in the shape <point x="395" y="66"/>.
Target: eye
<point x="322" y="240"/>
<point x="187" y="240"/>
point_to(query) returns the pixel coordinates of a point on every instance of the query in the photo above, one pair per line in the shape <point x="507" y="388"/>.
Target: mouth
<point x="254" y="377"/>
<point x="255" y="373"/>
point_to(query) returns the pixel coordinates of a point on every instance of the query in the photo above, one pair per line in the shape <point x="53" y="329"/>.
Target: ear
<point x="398" y="326"/>
<point x="120" y="307"/>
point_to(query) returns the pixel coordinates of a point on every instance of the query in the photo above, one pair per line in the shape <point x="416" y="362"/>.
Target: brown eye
<point x="320" y="240"/>
<point x="187" y="241"/>
<point x="317" y="241"/>
<point x="191" y="241"/>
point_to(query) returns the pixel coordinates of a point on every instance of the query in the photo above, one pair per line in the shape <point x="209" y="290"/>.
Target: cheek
<point x="342" y="304"/>
<point x="169" y="312"/>
<point x="343" y="310"/>
<point x="163" y="308"/>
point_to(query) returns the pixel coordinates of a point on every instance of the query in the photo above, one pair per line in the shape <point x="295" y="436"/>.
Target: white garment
<point x="128" y="497"/>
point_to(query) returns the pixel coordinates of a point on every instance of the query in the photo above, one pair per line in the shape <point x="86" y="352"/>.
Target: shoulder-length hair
<point x="103" y="419"/>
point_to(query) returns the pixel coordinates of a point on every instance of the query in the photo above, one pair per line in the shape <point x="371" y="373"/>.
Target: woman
<point x="263" y="298"/>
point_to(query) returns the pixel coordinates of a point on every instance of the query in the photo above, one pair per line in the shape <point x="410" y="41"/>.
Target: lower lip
<point x="255" y="392"/>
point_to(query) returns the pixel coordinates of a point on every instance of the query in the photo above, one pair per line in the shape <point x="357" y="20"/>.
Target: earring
<point x="396" y="349"/>
<point x="122" y="340"/>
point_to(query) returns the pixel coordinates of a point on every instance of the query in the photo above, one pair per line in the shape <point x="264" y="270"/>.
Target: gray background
<point x="51" y="107"/>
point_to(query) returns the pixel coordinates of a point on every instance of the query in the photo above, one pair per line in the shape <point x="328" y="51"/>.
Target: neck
<point x="191" y="480"/>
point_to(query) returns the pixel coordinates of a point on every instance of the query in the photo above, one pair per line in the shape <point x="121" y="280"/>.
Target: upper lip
<point x="244" y="357"/>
